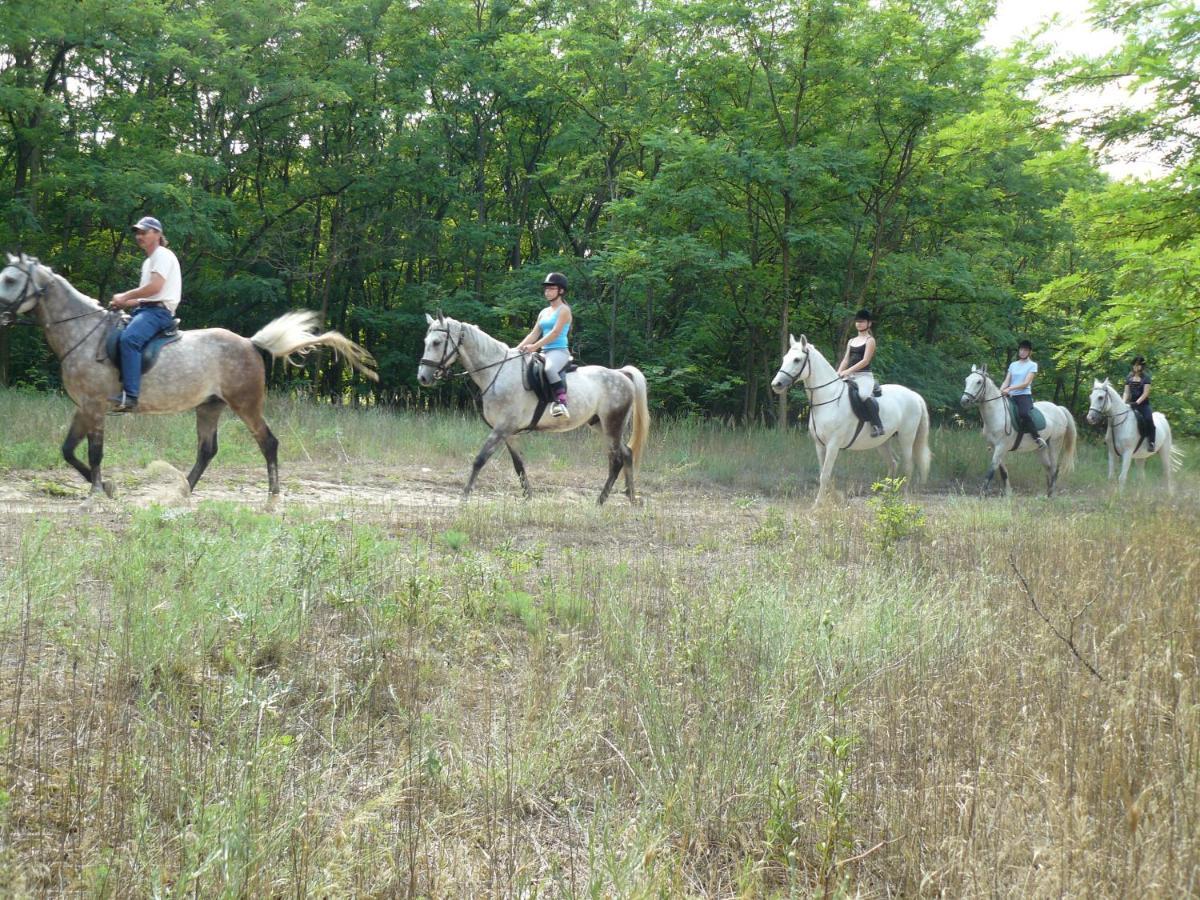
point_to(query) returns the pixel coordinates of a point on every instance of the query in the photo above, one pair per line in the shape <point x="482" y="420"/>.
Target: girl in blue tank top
<point x="549" y="335"/>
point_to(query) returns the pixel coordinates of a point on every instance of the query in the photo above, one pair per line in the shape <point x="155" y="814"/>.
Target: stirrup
<point x="559" y="410"/>
<point x="122" y="403"/>
<point x="877" y="431"/>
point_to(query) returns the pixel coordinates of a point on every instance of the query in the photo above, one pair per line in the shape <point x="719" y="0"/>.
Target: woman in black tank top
<point x="1137" y="395"/>
<point x="856" y="366"/>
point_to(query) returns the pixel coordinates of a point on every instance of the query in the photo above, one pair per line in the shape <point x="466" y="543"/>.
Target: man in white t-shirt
<point x="153" y="304"/>
<point x="1017" y="385"/>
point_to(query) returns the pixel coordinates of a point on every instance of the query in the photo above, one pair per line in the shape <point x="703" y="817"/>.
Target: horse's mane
<point x="74" y="291"/>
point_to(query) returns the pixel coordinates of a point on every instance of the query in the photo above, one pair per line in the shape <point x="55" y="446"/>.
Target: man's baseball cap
<point x="146" y="223"/>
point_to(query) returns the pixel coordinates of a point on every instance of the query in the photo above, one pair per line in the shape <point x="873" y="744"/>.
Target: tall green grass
<point x="709" y="697"/>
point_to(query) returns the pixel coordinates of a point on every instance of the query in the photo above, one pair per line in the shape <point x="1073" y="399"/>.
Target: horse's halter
<point x="441" y="368"/>
<point x="8" y="311"/>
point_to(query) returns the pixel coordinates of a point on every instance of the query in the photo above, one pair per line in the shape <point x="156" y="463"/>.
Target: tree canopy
<point x="710" y="175"/>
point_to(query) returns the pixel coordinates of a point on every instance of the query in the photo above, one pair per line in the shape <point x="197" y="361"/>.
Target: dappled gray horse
<point x="206" y="370"/>
<point x="605" y="398"/>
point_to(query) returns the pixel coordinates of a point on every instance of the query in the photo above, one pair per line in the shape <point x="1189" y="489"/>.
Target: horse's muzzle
<point x="1093" y="417"/>
<point x="966" y="400"/>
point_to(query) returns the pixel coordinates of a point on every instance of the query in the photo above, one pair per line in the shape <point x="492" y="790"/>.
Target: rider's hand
<point x="118" y="300"/>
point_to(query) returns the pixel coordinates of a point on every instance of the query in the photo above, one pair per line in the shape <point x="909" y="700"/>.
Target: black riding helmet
<point x="1139" y="360"/>
<point x="1025" y="345"/>
<point x="864" y="315"/>
<point x="557" y="279"/>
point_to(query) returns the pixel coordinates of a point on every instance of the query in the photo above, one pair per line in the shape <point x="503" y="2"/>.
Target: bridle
<point x="1105" y="412"/>
<point x="983" y="383"/>
<point x="441" y="368"/>
<point x="792" y="379"/>
<point x="8" y="314"/>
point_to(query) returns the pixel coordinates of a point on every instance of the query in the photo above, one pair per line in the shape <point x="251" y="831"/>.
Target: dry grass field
<point x="369" y="688"/>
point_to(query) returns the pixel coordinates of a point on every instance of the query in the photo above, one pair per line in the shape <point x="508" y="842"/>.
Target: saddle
<point x="112" y="343"/>
<point x="534" y="374"/>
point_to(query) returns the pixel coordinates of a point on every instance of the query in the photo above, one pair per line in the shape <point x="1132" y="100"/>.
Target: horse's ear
<point x="429" y="320"/>
<point x="792" y="338"/>
<point x="13" y="260"/>
<point x="441" y="318"/>
<point x="974" y="368"/>
<point x="803" y="342"/>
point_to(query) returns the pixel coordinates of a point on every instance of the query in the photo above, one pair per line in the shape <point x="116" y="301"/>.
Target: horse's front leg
<point x="997" y="463"/>
<point x="1112" y="455"/>
<point x="1126" y="459"/>
<point x="829" y="457"/>
<point x="489" y="447"/>
<point x="80" y="427"/>
<point x="95" y="454"/>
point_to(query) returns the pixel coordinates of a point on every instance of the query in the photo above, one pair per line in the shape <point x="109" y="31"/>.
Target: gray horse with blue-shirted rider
<point x="607" y="399"/>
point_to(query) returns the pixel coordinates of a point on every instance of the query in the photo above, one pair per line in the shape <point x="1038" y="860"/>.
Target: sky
<point x="1071" y="34"/>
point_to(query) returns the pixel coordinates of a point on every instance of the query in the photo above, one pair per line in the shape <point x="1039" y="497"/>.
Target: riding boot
<point x="1151" y="433"/>
<point x="1030" y="429"/>
<point x="559" y="409"/>
<point x="873" y="413"/>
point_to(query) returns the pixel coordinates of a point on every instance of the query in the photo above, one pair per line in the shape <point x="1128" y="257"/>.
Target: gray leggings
<point x="555" y="360"/>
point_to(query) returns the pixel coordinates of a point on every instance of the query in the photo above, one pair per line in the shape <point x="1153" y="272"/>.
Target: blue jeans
<point x="147" y="323"/>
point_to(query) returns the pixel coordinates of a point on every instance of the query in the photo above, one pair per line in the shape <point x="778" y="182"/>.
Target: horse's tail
<point x="641" y="412"/>
<point x="294" y="334"/>
<point x="921" y="452"/>
<point x="1066" y="459"/>
<point x="1172" y="459"/>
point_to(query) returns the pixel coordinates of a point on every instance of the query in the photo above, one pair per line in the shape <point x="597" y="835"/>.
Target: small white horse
<point x="835" y="427"/>
<point x="1123" y="438"/>
<point x="602" y="397"/>
<point x="1000" y="431"/>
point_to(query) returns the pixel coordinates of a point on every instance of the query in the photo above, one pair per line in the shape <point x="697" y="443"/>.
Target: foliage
<point x="709" y="175"/>
<point x="895" y="518"/>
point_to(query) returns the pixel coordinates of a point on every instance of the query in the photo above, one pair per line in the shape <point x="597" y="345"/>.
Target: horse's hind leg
<point x="519" y="468"/>
<point x="250" y="412"/>
<point x="208" y="417"/>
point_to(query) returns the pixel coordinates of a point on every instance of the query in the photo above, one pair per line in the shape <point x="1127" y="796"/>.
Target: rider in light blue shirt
<point x="550" y="336"/>
<point x="1017" y="385"/>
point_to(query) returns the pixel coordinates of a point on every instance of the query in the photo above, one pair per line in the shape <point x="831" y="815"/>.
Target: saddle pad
<point x="1039" y="421"/>
<point x="112" y="347"/>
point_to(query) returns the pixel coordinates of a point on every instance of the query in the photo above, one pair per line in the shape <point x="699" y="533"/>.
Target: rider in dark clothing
<point x="1137" y="395"/>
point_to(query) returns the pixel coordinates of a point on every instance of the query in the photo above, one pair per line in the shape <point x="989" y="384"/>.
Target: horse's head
<point x="1099" y="402"/>
<point x="975" y="385"/>
<point x="443" y="338"/>
<point x="19" y="287"/>
<point x="795" y="365"/>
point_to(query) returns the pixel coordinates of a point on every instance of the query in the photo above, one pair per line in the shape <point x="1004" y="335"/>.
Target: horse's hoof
<point x="109" y="490"/>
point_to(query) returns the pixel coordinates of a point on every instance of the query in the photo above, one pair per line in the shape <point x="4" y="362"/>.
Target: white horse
<point x="1000" y="431"/>
<point x="1123" y="438"/>
<point x="835" y="427"/>
<point x="603" y="397"/>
